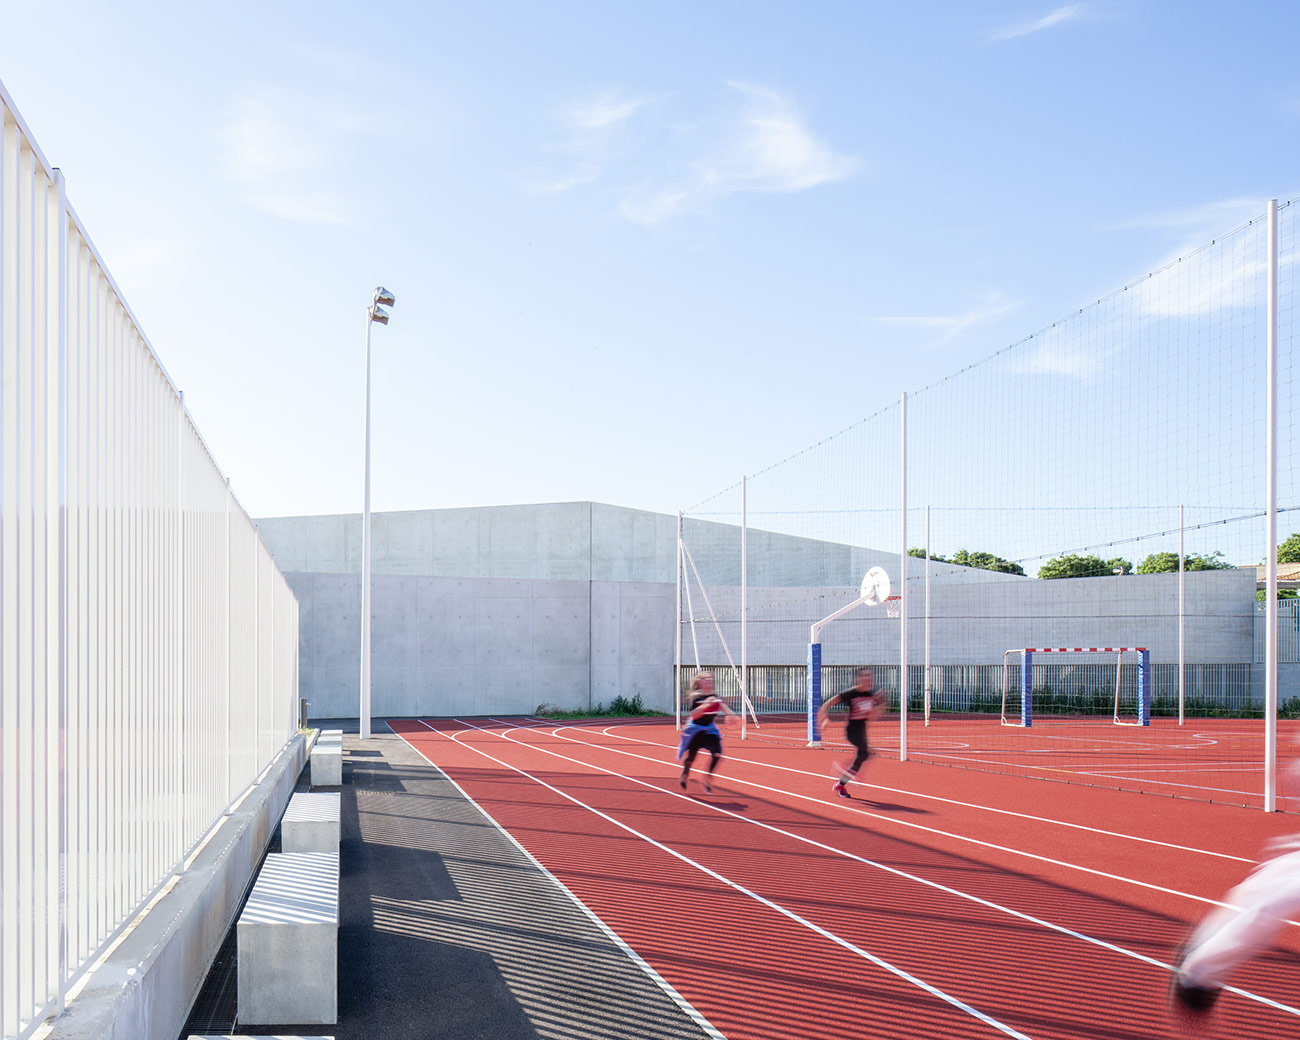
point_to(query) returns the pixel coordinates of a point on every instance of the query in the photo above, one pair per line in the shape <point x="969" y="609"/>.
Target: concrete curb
<point x="145" y="988"/>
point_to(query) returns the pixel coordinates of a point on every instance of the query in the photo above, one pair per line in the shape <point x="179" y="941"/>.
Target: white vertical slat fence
<point x="148" y="644"/>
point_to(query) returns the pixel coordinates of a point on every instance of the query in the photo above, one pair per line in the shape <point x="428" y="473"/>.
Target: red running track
<point x="939" y="902"/>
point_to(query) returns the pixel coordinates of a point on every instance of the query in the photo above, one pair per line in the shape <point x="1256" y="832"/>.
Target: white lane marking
<point x="958" y="893"/>
<point x="811" y="926"/>
<point x="613" y="936"/>
<point x="609" y="731"/>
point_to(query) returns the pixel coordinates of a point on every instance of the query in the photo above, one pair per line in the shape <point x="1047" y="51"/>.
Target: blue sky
<point x="638" y="250"/>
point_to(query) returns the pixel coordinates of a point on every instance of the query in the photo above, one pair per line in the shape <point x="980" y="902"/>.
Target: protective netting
<point x="1054" y="485"/>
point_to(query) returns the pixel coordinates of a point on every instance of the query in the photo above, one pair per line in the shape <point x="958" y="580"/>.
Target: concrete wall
<point x="484" y="610"/>
<point x="478" y="646"/>
<point x="496" y="610"/>
<point x="976" y="623"/>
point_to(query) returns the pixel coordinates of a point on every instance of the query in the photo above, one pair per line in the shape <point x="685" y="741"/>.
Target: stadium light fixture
<point x="376" y="313"/>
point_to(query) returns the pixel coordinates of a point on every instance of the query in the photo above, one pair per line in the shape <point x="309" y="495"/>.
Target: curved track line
<point x="901" y="973"/>
<point x="611" y="731"/>
<point x="988" y="904"/>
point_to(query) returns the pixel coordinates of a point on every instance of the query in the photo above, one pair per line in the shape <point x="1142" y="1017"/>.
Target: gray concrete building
<point x="496" y="610"/>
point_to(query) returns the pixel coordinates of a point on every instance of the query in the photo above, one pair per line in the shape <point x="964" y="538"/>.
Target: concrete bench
<point x="242" y="1036"/>
<point x="330" y="736"/>
<point x="311" y="823"/>
<point x="287" y="939"/>
<point x="326" y="765"/>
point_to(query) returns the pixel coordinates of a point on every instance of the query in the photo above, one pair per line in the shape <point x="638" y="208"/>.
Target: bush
<point x="620" y="706"/>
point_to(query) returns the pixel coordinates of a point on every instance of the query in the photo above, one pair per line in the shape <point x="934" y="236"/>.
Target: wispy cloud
<point x="273" y="138"/>
<point x="941" y="329"/>
<point x="1068" y="13"/>
<point x="772" y="149"/>
<point x="1073" y="360"/>
<point x="608" y="108"/>
<point x="1212" y="266"/>
<point x="583" y="174"/>
<point x="759" y="142"/>
<point x="1204" y="220"/>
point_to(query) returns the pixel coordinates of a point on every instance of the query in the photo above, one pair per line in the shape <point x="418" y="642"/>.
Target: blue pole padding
<point x="1144" y="688"/>
<point x="814" y="690"/>
<point x="1027" y="689"/>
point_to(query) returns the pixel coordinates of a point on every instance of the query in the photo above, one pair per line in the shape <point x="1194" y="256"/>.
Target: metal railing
<point x="148" y="644"/>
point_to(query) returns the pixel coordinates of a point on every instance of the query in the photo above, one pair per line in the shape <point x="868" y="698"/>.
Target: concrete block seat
<point x="330" y="736"/>
<point x="244" y="1036"/>
<point x="311" y="823"/>
<point x="327" y="765"/>
<point x="287" y="938"/>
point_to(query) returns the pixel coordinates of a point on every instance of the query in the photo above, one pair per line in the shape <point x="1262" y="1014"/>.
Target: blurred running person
<point x="863" y="702"/>
<point x="701" y="732"/>
<point x="1256" y="910"/>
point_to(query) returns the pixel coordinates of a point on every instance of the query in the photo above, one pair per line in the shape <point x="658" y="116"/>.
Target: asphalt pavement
<point x="448" y="930"/>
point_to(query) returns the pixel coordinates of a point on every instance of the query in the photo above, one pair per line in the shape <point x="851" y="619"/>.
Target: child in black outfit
<point x="863" y="702"/>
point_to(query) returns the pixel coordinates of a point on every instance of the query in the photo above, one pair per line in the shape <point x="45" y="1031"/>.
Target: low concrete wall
<point x="145" y="989"/>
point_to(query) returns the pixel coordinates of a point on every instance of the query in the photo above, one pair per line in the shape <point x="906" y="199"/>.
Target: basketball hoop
<point x="894" y="606"/>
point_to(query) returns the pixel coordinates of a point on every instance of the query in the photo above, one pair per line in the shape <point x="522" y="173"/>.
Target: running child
<point x="704" y="706"/>
<point x="863" y="701"/>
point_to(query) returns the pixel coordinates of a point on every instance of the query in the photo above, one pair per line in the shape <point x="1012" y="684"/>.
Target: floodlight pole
<point x="365" y="562"/>
<point x="374" y="313"/>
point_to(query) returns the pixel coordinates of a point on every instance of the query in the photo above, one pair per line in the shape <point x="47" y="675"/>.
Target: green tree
<point x="1071" y="566"/>
<point x="986" y="561"/>
<point x="1165" y="562"/>
<point x="920" y="554"/>
<point x="982" y="560"/>
<point x="1289" y="551"/>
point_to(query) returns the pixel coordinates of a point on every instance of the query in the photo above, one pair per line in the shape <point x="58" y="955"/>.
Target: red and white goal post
<point x="1133" y="711"/>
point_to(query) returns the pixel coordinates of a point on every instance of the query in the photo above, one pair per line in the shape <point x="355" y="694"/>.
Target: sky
<point x="638" y="250"/>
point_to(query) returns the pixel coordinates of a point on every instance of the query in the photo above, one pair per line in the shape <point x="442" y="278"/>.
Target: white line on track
<point x="610" y="731"/>
<point x="612" y="935"/>
<point x="957" y="893"/>
<point x="880" y="962"/>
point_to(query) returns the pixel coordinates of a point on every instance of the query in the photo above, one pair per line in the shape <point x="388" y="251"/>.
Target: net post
<point x="814" y="692"/>
<point x="677" y="669"/>
<point x="1270" y="523"/>
<point x="1027" y="688"/>
<point x="1144" y="687"/>
<point x="744" y="612"/>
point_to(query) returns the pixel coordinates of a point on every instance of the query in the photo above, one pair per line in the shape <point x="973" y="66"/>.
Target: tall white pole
<point x="1270" y="595"/>
<point x="927" y="615"/>
<point x="744" y="607"/>
<point x="1182" y="618"/>
<point x="365" y="561"/>
<point x="677" y="672"/>
<point x="902" y="613"/>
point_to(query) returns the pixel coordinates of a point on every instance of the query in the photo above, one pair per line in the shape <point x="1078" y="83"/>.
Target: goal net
<point x="1083" y="684"/>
